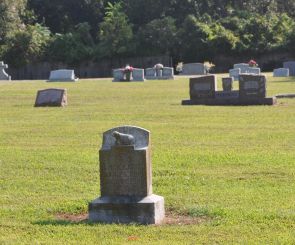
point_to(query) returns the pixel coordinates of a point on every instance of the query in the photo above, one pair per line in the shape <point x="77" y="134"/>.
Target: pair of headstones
<point x="3" y="74"/>
<point x="137" y="75"/>
<point x="194" y="69"/>
<point x="243" y="68"/>
<point x="252" y="91"/>
<point x="166" y="73"/>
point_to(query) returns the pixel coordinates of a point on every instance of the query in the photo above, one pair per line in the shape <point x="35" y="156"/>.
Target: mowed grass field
<point x="229" y="168"/>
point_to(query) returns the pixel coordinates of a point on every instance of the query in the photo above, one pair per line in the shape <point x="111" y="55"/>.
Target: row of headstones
<point x="288" y="70"/>
<point x="167" y="73"/>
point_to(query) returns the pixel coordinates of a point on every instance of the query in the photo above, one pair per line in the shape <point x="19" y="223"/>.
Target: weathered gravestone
<point x="3" y="74"/>
<point x="138" y="75"/>
<point x="118" y="75"/>
<point x="126" y="179"/>
<point x="281" y="72"/>
<point x="62" y="75"/>
<point x="194" y="69"/>
<point x="291" y="66"/>
<point x="150" y="74"/>
<point x="235" y="73"/>
<point x="227" y="83"/>
<point x="168" y="73"/>
<point x="51" y="97"/>
<point x="254" y="70"/>
<point x="243" y="66"/>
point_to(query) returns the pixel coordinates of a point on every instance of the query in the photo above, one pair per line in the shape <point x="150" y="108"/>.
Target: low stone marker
<point x="194" y="69"/>
<point x="227" y="83"/>
<point x="126" y="179"/>
<point x="3" y="74"/>
<point x="235" y="73"/>
<point x="51" y="97"/>
<point x="253" y="70"/>
<point x="281" y="72"/>
<point x="243" y="66"/>
<point x="291" y="66"/>
<point x="138" y="75"/>
<point x="252" y="92"/>
<point x="62" y="75"/>
<point x="118" y="75"/>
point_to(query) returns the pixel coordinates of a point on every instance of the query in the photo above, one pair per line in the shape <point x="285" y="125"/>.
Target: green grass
<point x="233" y="165"/>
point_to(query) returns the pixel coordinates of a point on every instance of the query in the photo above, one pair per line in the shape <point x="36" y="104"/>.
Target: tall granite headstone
<point x="291" y="66"/>
<point x="51" y="97"/>
<point x="252" y="86"/>
<point x="203" y="87"/>
<point x="3" y="74"/>
<point x="126" y="179"/>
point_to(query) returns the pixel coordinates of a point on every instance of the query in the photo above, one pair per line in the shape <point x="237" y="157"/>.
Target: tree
<point x="115" y="36"/>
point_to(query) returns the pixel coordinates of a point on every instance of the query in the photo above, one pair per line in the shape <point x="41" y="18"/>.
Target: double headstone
<point x="51" y="97"/>
<point x="137" y="75"/>
<point x="126" y="179"/>
<point x="291" y="66"/>
<point x="194" y="69"/>
<point x="281" y="72"/>
<point x="62" y="75"/>
<point x="3" y="74"/>
<point x="166" y="73"/>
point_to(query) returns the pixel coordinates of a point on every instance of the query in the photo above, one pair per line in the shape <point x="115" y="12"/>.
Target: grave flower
<point x="208" y="66"/>
<point x="159" y="66"/>
<point x="127" y="71"/>
<point x="252" y="63"/>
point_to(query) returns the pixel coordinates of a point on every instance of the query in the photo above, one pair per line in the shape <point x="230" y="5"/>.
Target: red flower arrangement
<point x="128" y="69"/>
<point x="252" y="63"/>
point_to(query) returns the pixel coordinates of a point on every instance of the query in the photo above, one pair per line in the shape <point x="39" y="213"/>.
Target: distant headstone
<point x="3" y="74"/>
<point x="227" y="83"/>
<point x="291" y="66"/>
<point x="118" y="75"/>
<point x="138" y="74"/>
<point x="203" y="87"/>
<point x="168" y="73"/>
<point x="243" y="66"/>
<point x="281" y="72"/>
<point x="150" y="74"/>
<point x="62" y="75"/>
<point x="51" y="97"/>
<point x="194" y="69"/>
<point x="126" y="179"/>
<point x="253" y="70"/>
<point x="252" y="86"/>
<point x="235" y="73"/>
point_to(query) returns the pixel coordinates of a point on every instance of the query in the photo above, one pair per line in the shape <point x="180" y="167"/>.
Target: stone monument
<point x="243" y="66"/>
<point x="51" y="97"/>
<point x="252" y="86"/>
<point x="62" y="75"/>
<point x="235" y="73"/>
<point x="281" y="72"/>
<point x="138" y="75"/>
<point x="118" y="75"/>
<point x="291" y="66"/>
<point x="203" y="87"/>
<point x="126" y="179"/>
<point x="3" y="74"/>
<point x="194" y="69"/>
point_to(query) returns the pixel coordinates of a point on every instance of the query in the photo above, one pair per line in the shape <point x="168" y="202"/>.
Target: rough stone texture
<point x="235" y="73"/>
<point x="254" y="70"/>
<point x="118" y="75"/>
<point x="252" y="86"/>
<point x="62" y="75"/>
<point x="51" y="97"/>
<point x="281" y="72"/>
<point x="243" y="66"/>
<point x="138" y="75"/>
<point x="194" y="69"/>
<point x="126" y="179"/>
<point x="227" y="83"/>
<point x="168" y="73"/>
<point x="3" y="74"/>
<point x="291" y="66"/>
<point x="203" y="87"/>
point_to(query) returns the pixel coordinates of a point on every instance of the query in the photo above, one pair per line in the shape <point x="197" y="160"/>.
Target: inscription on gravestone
<point x="126" y="179"/>
<point x="252" y="86"/>
<point x="51" y="97"/>
<point x="203" y="87"/>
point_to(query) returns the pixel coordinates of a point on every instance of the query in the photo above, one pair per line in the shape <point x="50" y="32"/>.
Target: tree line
<point x="73" y="31"/>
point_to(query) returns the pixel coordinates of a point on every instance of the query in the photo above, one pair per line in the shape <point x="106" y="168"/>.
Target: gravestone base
<point x="127" y="209"/>
<point x="230" y="98"/>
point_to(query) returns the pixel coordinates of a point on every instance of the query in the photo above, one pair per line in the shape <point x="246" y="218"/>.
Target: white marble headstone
<point x="62" y="75"/>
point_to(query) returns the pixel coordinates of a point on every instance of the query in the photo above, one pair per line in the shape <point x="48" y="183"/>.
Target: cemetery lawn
<point x="229" y="169"/>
